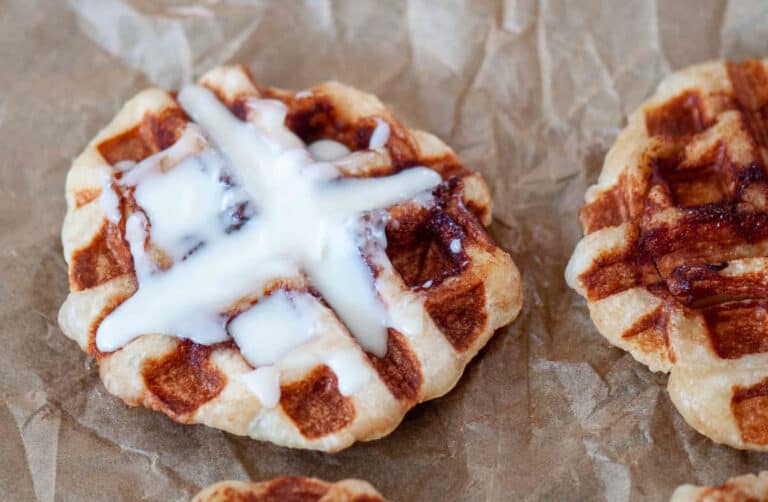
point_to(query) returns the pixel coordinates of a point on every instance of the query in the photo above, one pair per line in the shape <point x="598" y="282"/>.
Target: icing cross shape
<point x="307" y="220"/>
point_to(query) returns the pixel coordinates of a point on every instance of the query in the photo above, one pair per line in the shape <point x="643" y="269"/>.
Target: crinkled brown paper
<point x="529" y="93"/>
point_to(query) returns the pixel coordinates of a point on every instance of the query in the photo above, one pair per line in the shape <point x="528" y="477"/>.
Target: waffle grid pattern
<point x="466" y="295"/>
<point x="673" y="263"/>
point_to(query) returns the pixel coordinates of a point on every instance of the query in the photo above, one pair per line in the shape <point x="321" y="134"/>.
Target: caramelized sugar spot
<point x="750" y="407"/>
<point x="126" y="146"/>
<point x="184" y="379"/>
<point x="152" y="134"/>
<point x="710" y="233"/>
<point x="650" y="332"/>
<point x="419" y="245"/>
<point x="400" y="369"/>
<point x="317" y="118"/>
<point x="680" y="116"/>
<point x="709" y="180"/>
<point x="611" y="273"/>
<point x="750" y="86"/>
<point x="750" y="83"/>
<point x="86" y="195"/>
<point x="609" y="209"/>
<point x="107" y="256"/>
<point x="459" y="312"/>
<point x="738" y="328"/>
<point x="315" y="404"/>
<point x="695" y="285"/>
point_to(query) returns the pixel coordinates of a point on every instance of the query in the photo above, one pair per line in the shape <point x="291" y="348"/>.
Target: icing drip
<point x="181" y="222"/>
<point x="305" y="219"/>
<point x="109" y="201"/>
<point x="351" y="370"/>
<point x="264" y="382"/>
<point x="327" y="149"/>
<point x="255" y="330"/>
<point x="380" y="135"/>
<point x="136" y="235"/>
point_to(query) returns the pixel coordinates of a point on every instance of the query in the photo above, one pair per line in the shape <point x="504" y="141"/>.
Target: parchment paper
<point x="529" y="93"/>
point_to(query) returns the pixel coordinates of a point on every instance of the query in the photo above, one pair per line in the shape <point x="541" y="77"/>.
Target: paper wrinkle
<point x="583" y="387"/>
<point x="518" y="15"/>
<point x="151" y="481"/>
<point x="744" y="28"/>
<point x="39" y="432"/>
<point x="157" y="47"/>
<point x="169" y="51"/>
<point x="529" y="93"/>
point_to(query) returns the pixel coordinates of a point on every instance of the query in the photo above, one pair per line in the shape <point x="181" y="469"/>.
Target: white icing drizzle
<point x="264" y="382"/>
<point x="190" y="143"/>
<point x="380" y="135"/>
<point x="351" y="370"/>
<point x="277" y="324"/>
<point x="191" y="215"/>
<point x="327" y="150"/>
<point x="136" y="235"/>
<point x="405" y="312"/>
<point x="306" y="219"/>
<point x="109" y="201"/>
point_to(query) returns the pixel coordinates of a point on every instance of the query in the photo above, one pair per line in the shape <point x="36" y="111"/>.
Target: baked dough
<point x="440" y="265"/>
<point x="290" y="488"/>
<point x="748" y="488"/>
<point x="673" y="262"/>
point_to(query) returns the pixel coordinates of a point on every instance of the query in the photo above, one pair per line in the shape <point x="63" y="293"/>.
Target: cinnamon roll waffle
<point x="290" y="488"/>
<point x="673" y="264"/>
<point x="296" y="267"/>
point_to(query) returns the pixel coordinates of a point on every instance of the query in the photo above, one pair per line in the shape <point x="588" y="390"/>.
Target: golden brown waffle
<point x="673" y="263"/>
<point x="749" y="488"/>
<point x="469" y="295"/>
<point x="290" y="489"/>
